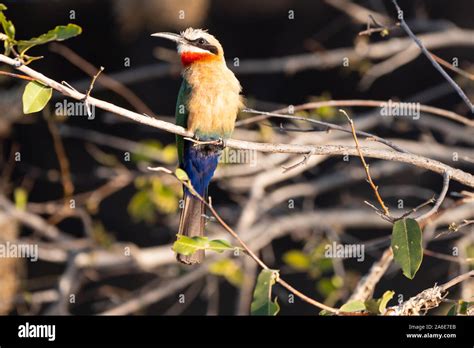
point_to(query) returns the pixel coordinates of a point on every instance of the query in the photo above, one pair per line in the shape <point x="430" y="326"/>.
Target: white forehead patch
<point x="193" y="34"/>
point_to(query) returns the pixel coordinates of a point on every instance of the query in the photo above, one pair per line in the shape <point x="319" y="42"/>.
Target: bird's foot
<point x="195" y="140"/>
<point x="221" y="142"/>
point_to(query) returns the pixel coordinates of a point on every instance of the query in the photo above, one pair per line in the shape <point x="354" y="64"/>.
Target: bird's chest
<point x="212" y="108"/>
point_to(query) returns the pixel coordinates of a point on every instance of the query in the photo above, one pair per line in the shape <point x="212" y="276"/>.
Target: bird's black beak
<point x="171" y="36"/>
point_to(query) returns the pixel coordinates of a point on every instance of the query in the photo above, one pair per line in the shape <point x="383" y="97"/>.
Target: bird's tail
<point x="191" y="224"/>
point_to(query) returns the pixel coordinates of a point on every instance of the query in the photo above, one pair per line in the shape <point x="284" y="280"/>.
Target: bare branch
<point x="332" y="150"/>
<point x="439" y="201"/>
<point x="263" y="115"/>
<point x="431" y="59"/>
<point x="104" y="79"/>
<point x="142" y="300"/>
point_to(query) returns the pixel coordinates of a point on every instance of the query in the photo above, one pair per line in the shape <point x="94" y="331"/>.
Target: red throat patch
<point x="188" y="58"/>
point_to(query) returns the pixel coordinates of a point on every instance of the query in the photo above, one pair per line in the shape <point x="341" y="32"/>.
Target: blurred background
<point x="113" y="246"/>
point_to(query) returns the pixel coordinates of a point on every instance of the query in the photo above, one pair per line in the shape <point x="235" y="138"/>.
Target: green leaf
<point x="101" y="236"/>
<point x="163" y="196"/>
<point x="170" y="153"/>
<point x="60" y="33"/>
<point x="229" y="269"/>
<point x="297" y="260"/>
<point x="387" y="296"/>
<point x="141" y="207"/>
<point x="353" y="306"/>
<point x="8" y="27"/>
<point x="453" y="310"/>
<point x="262" y="303"/>
<point x="372" y="306"/>
<point x="328" y="285"/>
<point x="21" y="198"/>
<point x="219" y="245"/>
<point x="406" y="246"/>
<point x="463" y="306"/>
<point x="146" y="148"/>
<point x="151" y="149"/>
<point x="35" y="97"/>
<point x="189" y="245"/>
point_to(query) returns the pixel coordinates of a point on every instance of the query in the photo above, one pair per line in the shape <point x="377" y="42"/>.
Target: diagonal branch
<point x="263" y="115"/>
<point x="431" y="59"/>
<point x="440" y="199"/>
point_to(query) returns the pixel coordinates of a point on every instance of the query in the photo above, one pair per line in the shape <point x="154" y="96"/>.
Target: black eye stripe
<point x="210" y="48"/>
<point x="200" y="41"/>
<point x="204" y="44"/>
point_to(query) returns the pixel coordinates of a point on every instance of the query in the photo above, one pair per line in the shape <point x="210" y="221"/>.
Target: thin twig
<point x="18" y="76"/>
<point x="378" y="28"/>
<point x="414" y="210"/>
<point x="104" y="79"/>
<point x="452" y="67"/>
<point x="457" y="280"/>
<point x="357" y="12"/>
<point x="33" y="221"/>
<point x="68" y="186"/>
<point x="380" y="212"/>
<point x="91" y="86"/>
<point x="157" y="293"/>
<point x="305" y="159"/>
<point x="329" y="126"/>
<point x="450" y="258"/>
<point x="263" y="115"/>
<point x="439" y="201"/>
<point x="375" y="188"/>
<point x="455" y="228"/>
<point x="436" y="65"/>
<point x="371" y="31"/>
<point x="94" y="78"/>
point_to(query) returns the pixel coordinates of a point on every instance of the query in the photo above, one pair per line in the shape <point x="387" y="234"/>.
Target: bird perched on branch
<point x="208" y="102"/>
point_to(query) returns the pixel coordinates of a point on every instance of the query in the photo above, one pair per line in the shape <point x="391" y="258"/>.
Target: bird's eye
<point x="202" y="41"/>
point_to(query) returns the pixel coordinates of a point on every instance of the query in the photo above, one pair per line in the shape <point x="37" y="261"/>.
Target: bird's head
<point x="195" y="45"/>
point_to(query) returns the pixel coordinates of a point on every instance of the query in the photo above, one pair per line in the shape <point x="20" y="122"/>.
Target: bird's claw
<point x="221" y="142"/>
<point x="195" y="140"/>
<point x="218" y="142"/>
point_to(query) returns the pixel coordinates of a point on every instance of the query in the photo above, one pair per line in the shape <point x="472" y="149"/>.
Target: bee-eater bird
<point x="207" y="105"/>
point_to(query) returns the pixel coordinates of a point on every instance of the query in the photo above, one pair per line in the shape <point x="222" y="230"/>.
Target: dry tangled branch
<point x="262" y="196"/>
<point x="332" y="150"/>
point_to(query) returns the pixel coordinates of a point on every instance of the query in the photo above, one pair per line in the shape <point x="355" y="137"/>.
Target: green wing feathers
<point x="182" y="116"/>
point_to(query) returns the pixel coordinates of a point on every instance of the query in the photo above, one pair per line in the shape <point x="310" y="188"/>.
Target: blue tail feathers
<point x="199" y="163"/>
